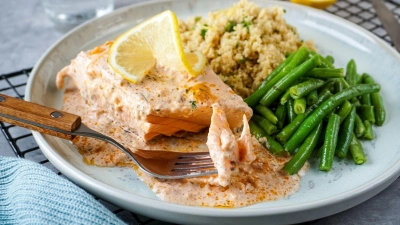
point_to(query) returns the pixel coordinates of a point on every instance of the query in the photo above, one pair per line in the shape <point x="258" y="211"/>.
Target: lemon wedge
<point x="156" y="40"/>
<point x="319" y="4"/>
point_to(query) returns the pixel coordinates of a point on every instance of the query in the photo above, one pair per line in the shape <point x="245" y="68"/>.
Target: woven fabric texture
<point x="32" y="194"/>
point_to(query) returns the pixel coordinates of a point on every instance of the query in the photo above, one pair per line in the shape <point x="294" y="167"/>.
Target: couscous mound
<point x="243" y="44"/>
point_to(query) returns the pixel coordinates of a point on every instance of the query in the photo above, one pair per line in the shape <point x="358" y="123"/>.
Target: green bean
<point x="324" y="62"/>
<point x="274" y="147"/>
<point x="329" y="146"/>
<point x="288" y="131"/>
<point x="270" y="144"/>
<point x="379" y="109"/>
<point x="288" y="81"/>
<point x="358" y="78"/>
<point x="282" y="70"/>
<point x="299" y="159"/>
<point x="338" y="85"/>
<point x="366" y="112"/>
<point x="312" y="98"/>
<point x="345" y="134"/>
<point x="277" y="70"/>
<point x="264" y="124"/>
<point x="299" y="105"/>
<point x="266" y="113"/>
<point x="359" y="128"/>
<point x="323" y="95"/>
<point x="328" y="86"/>
<point x="351" y="73"/>
<point x="285" y="97"/>
<point x="346" y="85"/>
<point x="317" y="115"/>
<point x="365" y="99"/>
<point x="355" y="101"/>
<point x="303" y="89"/>
<point x="344" y="110"/>
<point x="281" y="115"/>
<point x="325" y="73"/>
<point x="330" y="59"/>
<point x="357" y="151"/>
<point x="326" y="118"/>
<point x="321" y="140"/>
<point x="291" y="114"/>
<point x="257" y="131"/>
<point x="299" y="57"/>
<point x="369" y="133"/>
<point x="376" y="101"/>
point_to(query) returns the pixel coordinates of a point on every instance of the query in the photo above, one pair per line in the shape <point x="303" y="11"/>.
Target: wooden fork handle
<point x="38" y="117"/>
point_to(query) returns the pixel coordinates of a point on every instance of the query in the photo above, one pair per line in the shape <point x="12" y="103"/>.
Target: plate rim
<point x="92" y="184"/>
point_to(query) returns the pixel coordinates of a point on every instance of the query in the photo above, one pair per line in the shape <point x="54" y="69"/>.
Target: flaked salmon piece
<point x="226" y="151"/>
<point x="245" y="144"/>
<point x="164" y="97"/>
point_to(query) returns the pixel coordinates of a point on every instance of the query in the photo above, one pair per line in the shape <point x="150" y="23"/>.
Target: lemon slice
<point x="157" y="40"/>
<point x="197" y="61"/>
<point x="319" y="4"/>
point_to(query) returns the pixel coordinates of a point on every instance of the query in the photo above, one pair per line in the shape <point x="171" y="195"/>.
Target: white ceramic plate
<point x="321" y="194"/>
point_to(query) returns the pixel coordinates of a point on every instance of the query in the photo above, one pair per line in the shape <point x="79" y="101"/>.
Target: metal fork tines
<point x="190" y="162"/>
<point x="171" y="165"/>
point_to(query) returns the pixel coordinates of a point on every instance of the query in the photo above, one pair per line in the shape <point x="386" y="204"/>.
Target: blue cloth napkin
<point x="32" y="194"/>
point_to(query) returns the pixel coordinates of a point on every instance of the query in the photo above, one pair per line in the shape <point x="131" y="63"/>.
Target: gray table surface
<point x="26" y="32"/>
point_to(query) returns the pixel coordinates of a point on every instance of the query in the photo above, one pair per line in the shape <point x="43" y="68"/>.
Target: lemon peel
<point x="156" y="40"/>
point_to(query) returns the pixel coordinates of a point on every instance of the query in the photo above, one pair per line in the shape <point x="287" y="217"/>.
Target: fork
<point x="164" y="165"/>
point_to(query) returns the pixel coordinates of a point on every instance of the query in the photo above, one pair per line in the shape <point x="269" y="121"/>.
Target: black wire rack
<point x="23" y="144"/>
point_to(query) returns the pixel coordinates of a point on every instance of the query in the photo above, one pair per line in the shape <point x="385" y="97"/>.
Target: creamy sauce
<point x="262" y="180"/>
<point x="257" y="176"/>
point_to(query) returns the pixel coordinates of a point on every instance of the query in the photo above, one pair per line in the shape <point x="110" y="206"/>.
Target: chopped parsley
<point x="243" y="60"/>
<point x="193" y="104"/>
<point x="230" y="26"/>
<point x="197" y="18"/>
<point x="284" y="10"/>
<point x="203" y="33"/>
<point x="247" y="24"/>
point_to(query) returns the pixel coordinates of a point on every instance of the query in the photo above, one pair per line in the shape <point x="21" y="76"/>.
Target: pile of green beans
<point x="306" y="105"/>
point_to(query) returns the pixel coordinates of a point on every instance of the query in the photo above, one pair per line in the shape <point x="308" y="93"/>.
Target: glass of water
<point x="74" y="12"/>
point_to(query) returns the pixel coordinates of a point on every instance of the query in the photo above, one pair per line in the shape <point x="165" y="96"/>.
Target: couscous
<point x="243" y="44"/>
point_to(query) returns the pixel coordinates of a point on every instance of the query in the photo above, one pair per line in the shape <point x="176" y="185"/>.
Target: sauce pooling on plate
<point x="262" y="180"/>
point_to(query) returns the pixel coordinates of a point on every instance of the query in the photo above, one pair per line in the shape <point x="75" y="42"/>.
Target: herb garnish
<point x="193" y="104"/>
<point x="203" y="33"/>
<point x="229" y="27"/>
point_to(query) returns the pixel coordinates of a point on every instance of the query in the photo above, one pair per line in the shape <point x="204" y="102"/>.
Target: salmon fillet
<point x="165" y="103"/>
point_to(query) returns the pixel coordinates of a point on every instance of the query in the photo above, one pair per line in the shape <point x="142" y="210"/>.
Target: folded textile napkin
<point x="32" y="194"/>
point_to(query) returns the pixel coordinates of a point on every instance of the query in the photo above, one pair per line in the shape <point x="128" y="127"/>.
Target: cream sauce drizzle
<point x="260" y="181"/>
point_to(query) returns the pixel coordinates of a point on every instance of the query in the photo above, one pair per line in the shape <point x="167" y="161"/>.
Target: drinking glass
<point x="74" y="12"/>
